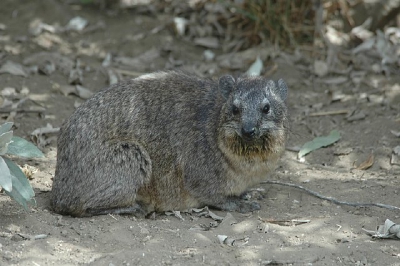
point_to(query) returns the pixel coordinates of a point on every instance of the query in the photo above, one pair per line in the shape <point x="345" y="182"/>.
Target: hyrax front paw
<point x="239" y="205"/>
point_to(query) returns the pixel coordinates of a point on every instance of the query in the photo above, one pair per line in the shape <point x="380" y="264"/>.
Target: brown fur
<point x="169" y="141"/>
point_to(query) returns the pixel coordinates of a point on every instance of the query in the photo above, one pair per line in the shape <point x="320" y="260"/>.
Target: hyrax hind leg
<point x="123" y="167"/>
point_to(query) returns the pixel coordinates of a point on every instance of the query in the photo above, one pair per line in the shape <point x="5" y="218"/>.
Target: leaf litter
<point x="13" y="68"/>
<point x="332" y="78"/>
<point x="389" y="230"/>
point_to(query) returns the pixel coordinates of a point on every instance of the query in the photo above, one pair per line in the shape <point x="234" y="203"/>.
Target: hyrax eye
<point x="235" y="110"/>
<point x="266" y="108"/>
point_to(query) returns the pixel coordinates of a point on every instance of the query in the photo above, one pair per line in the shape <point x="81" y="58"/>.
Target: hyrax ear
<point x="226" y="85"/>
<point x="279" y="88"/>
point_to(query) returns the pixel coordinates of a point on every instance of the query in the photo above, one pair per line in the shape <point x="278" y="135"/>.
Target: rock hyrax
<point x="170" y="141"/>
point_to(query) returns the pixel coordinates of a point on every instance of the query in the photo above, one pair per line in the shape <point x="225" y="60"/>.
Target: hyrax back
<point x="169" y="141"/>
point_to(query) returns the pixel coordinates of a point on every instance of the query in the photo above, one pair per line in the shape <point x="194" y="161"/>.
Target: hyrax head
<point x="254" y="117"/>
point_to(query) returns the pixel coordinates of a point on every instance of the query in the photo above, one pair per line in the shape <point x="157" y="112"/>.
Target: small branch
<point x="128" y="73"/>
<point x="316" y="194"/>
<point x="336" y="112"/>
<point x="8" y="110"/>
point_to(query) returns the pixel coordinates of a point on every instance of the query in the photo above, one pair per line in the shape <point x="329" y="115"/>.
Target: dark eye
<point x="235" y="110"/>
<point x="266" y="108"/>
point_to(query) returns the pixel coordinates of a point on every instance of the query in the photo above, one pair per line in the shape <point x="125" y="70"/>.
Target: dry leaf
<point x="77" y="24"/>
<point x="13" y="68"/>
<point x="61" y="62"/>
<point x="225" y="240"/>
<point x="356" y="116"/>
<point x="180" y="25"/>
<point x="367" y="163"/>
<point x="396" y="133"/>
<point x="387" y="230"/>
<point x="83" y="92"/>
<point x="67" y="89"/>
<point x="396" y="150"/>
<point x="208" y="42"/>
<point x="255" y="68"/>
<point x="177" y="214"/>
<point x="335" y="80"/>
<point x="141" y="62"/>
<point x="321" y="68"/>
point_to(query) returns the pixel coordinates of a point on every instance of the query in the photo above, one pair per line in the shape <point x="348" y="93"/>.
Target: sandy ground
<point x="332" y="235"/>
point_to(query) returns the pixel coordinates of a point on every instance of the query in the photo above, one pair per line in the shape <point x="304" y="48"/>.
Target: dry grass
<point x="283" y="22"/>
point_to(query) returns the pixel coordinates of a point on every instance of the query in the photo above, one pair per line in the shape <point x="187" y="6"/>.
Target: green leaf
<point x="23" y="148"/>
<point x="15" y="195"/>
<point x="5" y="176"/>
<point x="5" y="140"/>
<point x="22" y="191"/>
<point x="5" y="127"/>
<point x="319" y="142"/>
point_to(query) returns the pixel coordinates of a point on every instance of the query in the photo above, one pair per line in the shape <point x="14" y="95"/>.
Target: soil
<point x="330" y="234"/>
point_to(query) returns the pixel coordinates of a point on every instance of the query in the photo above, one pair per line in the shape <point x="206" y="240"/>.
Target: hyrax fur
<point x="170" y="141"/>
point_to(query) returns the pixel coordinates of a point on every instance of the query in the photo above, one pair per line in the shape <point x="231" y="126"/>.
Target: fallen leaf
<point x="141" y="62"/>
<point x="206" y="213"/>
<point x="180" y="25"/>
<point x="356" y="116"/>
<point x="67" y="89"/>
<point x="13" y="68"/>
<point x="362" y="31"/>
<point x="238" y="60"/>
<point x="44" y="135"/>
<point x="77" y="24"/>
<point x="36" y="27"/>
<point x="112" y="77"/>
<point x="107" y="60"/>
<point x="255" y="68"/>
<point x="177" y="214"/>
<point x="343" y="151"/>
<point x="320" y="68"/>
<point x="83" y="92"/>
<point x="47" y="40"/>
<point x="396" y="133"/>
<point x="319" y="142"/>
<point x="367" y="163"/>
<point x="396" y="150"/>
<point x="208" y="42"/>
<point x="394" y="159"/>
<point x="61" y="62"/>
<point x="225" y="240"/>
<point x="335" y="80"/>
<point x="8" y="91"/>
<point x="208" y="55"/>
<point x="75" y="76"/>
<point x="388" y="230"/>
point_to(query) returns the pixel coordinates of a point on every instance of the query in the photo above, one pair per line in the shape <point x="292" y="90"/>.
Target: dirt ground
<point x="333" y="234"/>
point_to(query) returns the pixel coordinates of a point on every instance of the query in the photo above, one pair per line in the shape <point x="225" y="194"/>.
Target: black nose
<point x="249" y="132"/>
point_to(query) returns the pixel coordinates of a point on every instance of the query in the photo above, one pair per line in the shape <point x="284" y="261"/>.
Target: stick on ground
<point x="316" y="194"/>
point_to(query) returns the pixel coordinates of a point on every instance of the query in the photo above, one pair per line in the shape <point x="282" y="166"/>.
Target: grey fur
<point x="169" y="141"/>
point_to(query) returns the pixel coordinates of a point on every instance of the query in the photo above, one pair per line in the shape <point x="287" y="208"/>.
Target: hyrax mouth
<point x="261" y="146"/>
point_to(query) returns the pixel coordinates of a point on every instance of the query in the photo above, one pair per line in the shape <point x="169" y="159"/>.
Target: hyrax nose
<point x="248" y="132"/>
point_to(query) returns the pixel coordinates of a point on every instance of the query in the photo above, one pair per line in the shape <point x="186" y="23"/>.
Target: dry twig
<point x="338" y="202"/>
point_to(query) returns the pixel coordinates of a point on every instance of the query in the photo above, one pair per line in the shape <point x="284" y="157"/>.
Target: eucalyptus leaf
<point x="5" y="176"/>
<point x="20" y="181"/>
<point x="5" y="140"/>
<point x="319" y="142"/>
<point x="6" y="127"/>
<point x="14" y="194"/>
<point x="23" y="148"/>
